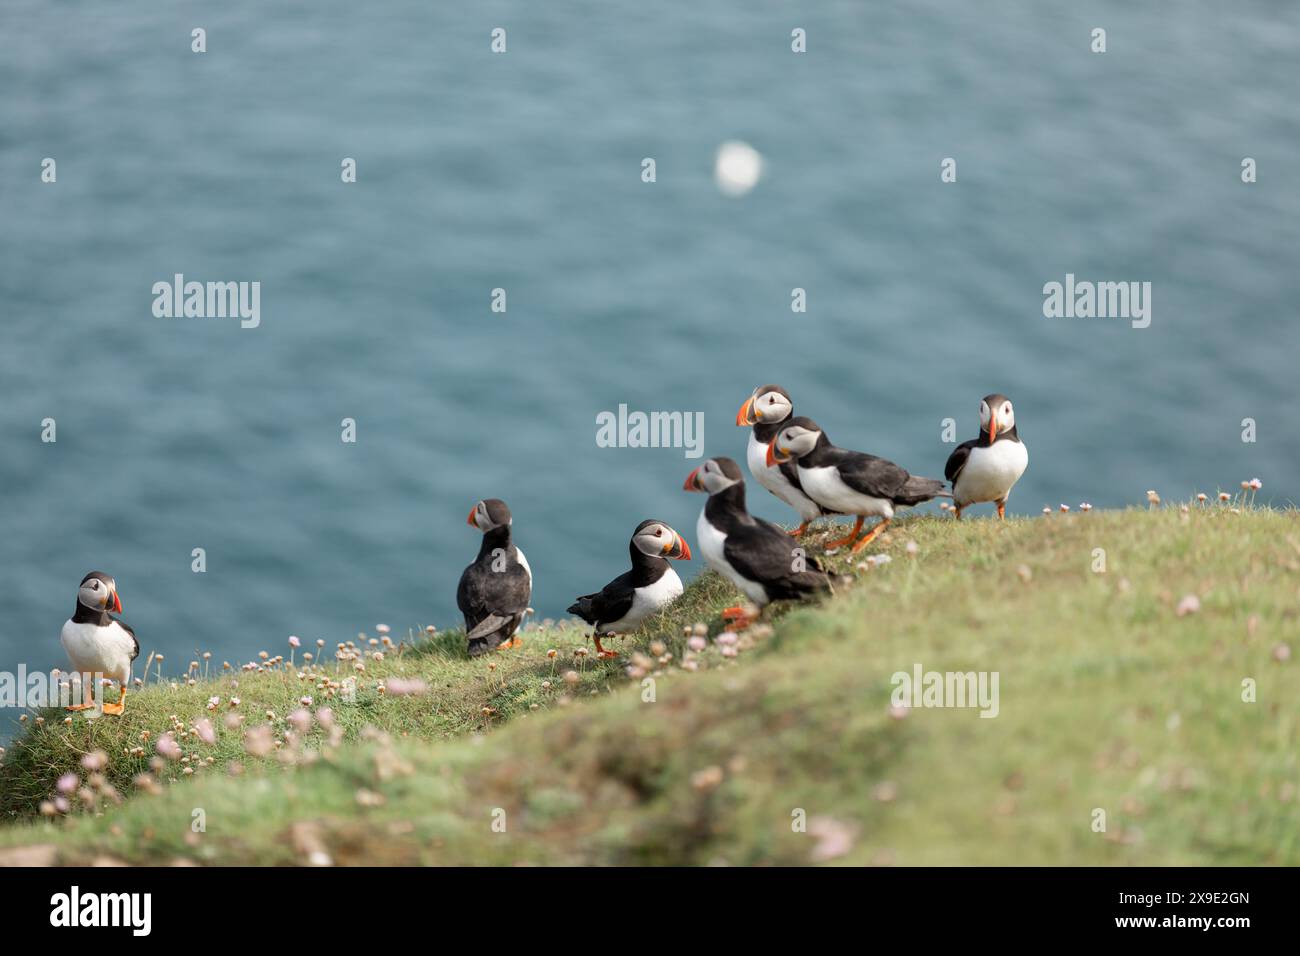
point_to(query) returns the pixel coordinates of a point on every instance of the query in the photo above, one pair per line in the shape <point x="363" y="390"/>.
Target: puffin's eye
<point x="1006" y="409"/>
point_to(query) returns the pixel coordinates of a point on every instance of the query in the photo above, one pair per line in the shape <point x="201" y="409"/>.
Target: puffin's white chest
<point x="712" y="542"/>
<point x="99" y="650"/>
<point x="990" y="472"/>
<point x="524" y="563"/>
<point x="828" y="489"/>
<point x="647" y="601"/>
<point x="775" y="481"/>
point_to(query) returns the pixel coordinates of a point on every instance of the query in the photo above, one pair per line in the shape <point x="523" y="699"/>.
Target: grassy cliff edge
<point x="1157" y="694"/>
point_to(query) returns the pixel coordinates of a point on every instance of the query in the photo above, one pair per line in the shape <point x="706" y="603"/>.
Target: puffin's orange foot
<point x="799" y="530"/>
<point x="81" y="707"/>
<point x="115" y="709"/>
<point x="847" y="539"/>
<point x="604" y="652"/>
<point x="870" y="536"/>
<point x="738" y="618"/>
<point x="1002" y="510"/>
<point x="510" y="642"/>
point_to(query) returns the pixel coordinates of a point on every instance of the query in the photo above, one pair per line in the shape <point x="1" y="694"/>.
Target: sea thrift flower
<point x="68" y="783"/>
<point x="94" y="761"/>
<point x="294" y="642"/>
<point x="404" y="687"/>
<point x="1046" y="510"/>
<point x="258" y="741"/>
<point x="1224" y="496"/>
<point x="1256" y="484"/>
<point x="168" y="747"/>
<point x="301" y="720"/>
<point x="325" y="717"/>
<point x="697" y="643"/>
<point x="727" y="638"/>
<point x="381" y="628"/>
<point x="1084" y="506"/>
<point x="1065" y="507"/>
<point x="1190" y="604"/>
<point x="1152" y="497"/>
<point x="1202" y="497"/>
<point x="205" y="731"/>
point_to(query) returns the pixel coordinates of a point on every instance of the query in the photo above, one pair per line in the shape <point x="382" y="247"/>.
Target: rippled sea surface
<point x="522" y="171"/>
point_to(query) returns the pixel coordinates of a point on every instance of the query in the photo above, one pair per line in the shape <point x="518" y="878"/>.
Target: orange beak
<point x="772" y="460"/>
<point x="679" y="548"/>
<point x="993" y="426"/>
<point x="117" y="604"/>
<point x="746" y="417"/>
<point x="693" y="481"/>
<point x="470" y="521"/>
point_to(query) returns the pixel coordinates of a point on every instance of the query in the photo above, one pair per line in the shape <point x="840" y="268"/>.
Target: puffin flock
<point x="789" y="456"/>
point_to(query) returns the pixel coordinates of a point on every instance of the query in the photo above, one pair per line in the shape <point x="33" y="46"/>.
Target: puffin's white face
<point x="997" y="417"/>
<point x="660" y="541"/>
<point x="767" y="406"/>
<point x="490" y="514"/>
<point x="712" y="477"/>
<point x="793" y="441"/>
<point x="99" y="595"/>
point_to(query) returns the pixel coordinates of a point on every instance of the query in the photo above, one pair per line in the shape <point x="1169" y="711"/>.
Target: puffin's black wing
<point x="486" y="595"/>
<point x="881" y="478"/>
<point x="869" y="475"/>
<point x="608" y="604"/>
<point x="127" y="627"/>
<point x="957" y="460"/>
<point x="764" y="553"/>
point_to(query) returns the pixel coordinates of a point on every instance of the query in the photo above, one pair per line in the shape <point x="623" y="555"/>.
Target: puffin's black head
<point x="996" y="416"/>
<point x="716" y="474"/>
<point x="98" y="592"/>
<point x="490" y="514"/>
<point x="796" y="438"/>
<point x="660" y="541"/>
<point x="768" y="405"/>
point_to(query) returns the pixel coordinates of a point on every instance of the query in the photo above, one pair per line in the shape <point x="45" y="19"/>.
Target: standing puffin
<point x="623" y="604"/>
<point x="986" y="468"/>
<point x="849" y="482"/>
<point x="97" y="643"/>
<point x="765" y="410"/>
<point x="494" y="590"/>
<point x="755" y="555"/>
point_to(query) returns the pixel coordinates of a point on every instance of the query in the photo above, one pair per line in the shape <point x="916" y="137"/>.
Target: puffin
<point x="494" y="591"/>
<point x="623" y="604"/>
<point x="98" y="643"/>
<point x="850" y="482"/>
<point x="986" y="468"/>
<point x="754" y="555"/>
<point x="764" y="411"/>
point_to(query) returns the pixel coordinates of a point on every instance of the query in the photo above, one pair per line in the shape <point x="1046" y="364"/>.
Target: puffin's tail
<point x="582" y="608"/>
<point x="917" y="489"/>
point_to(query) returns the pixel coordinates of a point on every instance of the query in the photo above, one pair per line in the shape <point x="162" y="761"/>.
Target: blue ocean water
<point x="522" y="171"/>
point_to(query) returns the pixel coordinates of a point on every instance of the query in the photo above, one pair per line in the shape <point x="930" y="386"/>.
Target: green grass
<point x="1109" y="699"/>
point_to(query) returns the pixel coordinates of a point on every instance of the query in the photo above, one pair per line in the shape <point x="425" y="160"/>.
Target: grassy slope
<point x="1108" y="699"/>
